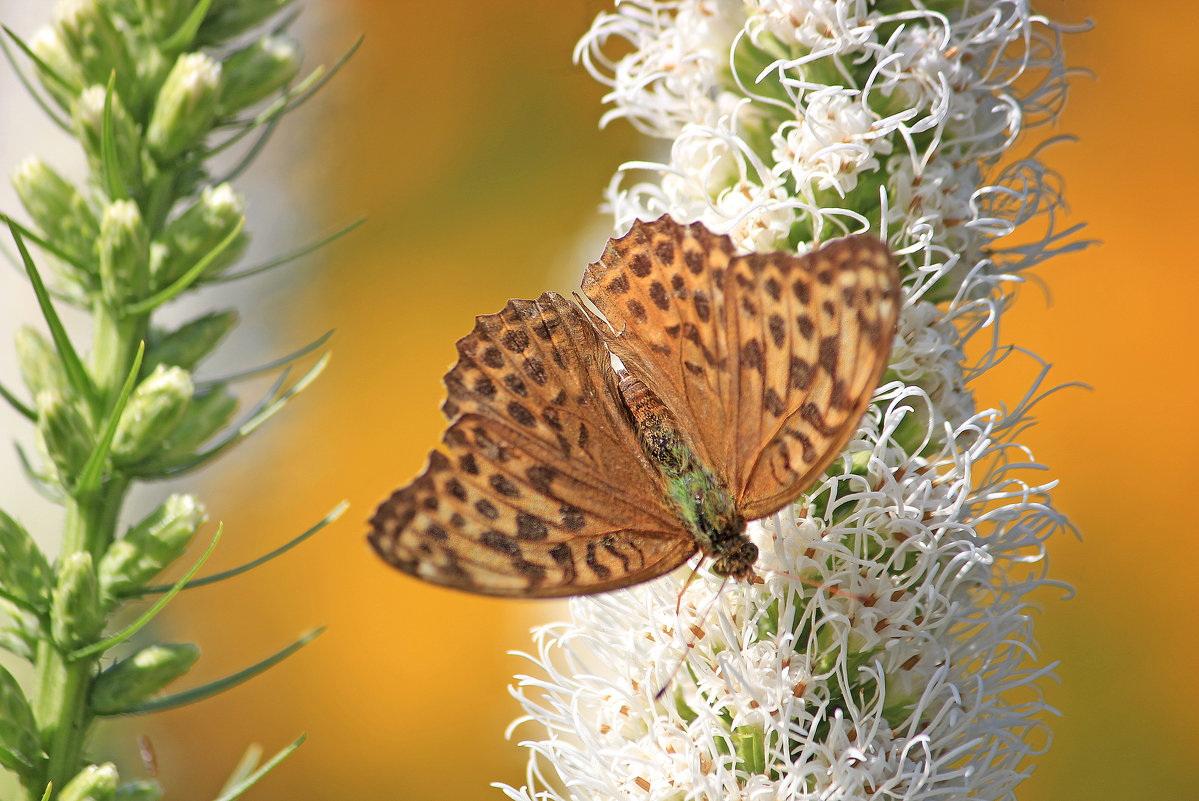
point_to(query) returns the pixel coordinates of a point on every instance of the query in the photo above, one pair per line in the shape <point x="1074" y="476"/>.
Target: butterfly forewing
<point x="661" y="287"/>
<point x="813" y="335"/>
<point x="767" y="360"/>
<point x="544" y="490"/>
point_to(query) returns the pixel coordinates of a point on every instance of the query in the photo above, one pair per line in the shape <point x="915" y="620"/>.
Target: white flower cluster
<point x="888" y="653"/>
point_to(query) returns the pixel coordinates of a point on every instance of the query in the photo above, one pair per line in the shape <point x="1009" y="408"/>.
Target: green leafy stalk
<point x="149" y="89"/>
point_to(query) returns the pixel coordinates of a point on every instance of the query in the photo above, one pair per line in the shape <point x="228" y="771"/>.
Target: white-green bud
<point x="57" y="209"/>
<point x="197" y="231"/>
<point x="20" y="748"/>
<point x="140" y="790"/>
<point x="258" y="70"/>
<point x="185" y="107"/>
<point x="208" y="413"/>
<point x="24" y="572"/>
<point x="187" y="345"/>
<point x="93" y="783"/>
<point x="89" y="35"/>
<point x="124" y="248"/>
<point x="38" y="362"/>
<point x="76" y="618"/>
<point x="63" y="433"/>
<point x="133" y="680"/>
<point x="48" y="46"/>
<point x="151" y="545"/>
<point x="227" y="19"/>
<point x="87" y="116"/>
<point x="153" y="412"/>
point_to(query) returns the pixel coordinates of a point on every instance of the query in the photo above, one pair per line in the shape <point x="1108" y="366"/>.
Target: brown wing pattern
<point x="813" y="335"/>
<point x="767" y="360"/>
<point x="544" y="491"/>
<point x="662" y="288"/>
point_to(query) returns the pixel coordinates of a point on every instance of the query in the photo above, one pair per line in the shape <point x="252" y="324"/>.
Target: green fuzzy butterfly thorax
<point x="701" y="501"/>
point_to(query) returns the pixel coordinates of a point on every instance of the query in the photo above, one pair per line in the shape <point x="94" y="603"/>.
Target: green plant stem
<point x="61" y="686"/>
<point x="60" y="703"/>
<point x="115" y="342"/>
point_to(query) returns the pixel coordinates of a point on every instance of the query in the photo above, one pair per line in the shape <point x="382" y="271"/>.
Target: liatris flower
<point x="888" y="653"/>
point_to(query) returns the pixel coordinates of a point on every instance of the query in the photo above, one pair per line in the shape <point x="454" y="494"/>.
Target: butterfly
<point x="741" y="378"/>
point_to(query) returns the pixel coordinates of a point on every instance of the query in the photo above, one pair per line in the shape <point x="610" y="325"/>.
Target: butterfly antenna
<point x="703" y="618"/>
<point x="678" y="604"/>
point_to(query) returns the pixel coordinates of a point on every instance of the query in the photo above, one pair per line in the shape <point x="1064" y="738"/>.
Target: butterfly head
<point x="737" y="561"/>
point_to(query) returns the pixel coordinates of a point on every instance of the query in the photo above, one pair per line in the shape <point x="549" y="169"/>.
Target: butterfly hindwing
<point x="544" y="490"/>
<point x="814" y="333"/>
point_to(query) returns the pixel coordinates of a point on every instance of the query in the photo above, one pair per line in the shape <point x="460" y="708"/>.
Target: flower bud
<point x="124" y="247"/>
<point x="20" y="748"/>
<point x="140" y="790"/>
<point x="93" y="783"/>
<point x="133" y="680"/>
<point x="95" y="44"/>
<point x="63" y="433"/>
<point x="87" y="116"/>
<point x="57" y="209"/>
<point x="38" y="362"/>
<point x="153" y="412"/>
<point x="149" y="546"/>
<point x="185" y="107"/>
<point x="258" y="70"/>
<point x="48" y="46"/>
<point x="75" y="615"/>
<point x="187" y="345"/>
<point x="193" y="234"/>
<point x="208" y="413"/>
<point x="24" y="572"/>
<point x="229" y="18"/>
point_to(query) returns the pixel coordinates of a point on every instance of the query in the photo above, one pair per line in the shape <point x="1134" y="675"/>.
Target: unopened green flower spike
<point x="258" y="70"/>
<point x="185" y="107"/>
<point x="57" y="208"/>
<point x="38" y="362"/>
<point x="63" y="433"/>
<point x="151" y="545"/>
<point x="124" y="248"/>
<point x="75" y="613"/>
<point x="87" y="118"/>
<point x="156" y="408"/>
<point x="93" y="783"/>
<point x="134" y="679"/>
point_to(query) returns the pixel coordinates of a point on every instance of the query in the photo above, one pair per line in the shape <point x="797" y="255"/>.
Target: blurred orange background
<point x="470" y="140"/>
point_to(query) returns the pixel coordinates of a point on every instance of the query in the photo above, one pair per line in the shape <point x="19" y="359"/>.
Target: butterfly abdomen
<point x="702" y="502"/>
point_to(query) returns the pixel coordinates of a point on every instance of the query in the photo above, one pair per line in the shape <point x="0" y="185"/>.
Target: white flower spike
<point x="888" y="654"/>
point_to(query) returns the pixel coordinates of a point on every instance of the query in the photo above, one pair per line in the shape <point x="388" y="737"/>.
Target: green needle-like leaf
<point x="148" y="615"/>
<point x="216" y="687"/>
<point x="295" y="254"/>
<point x="250" y="781"/>
<point x="16" y="403"/>
<point x="270" y="366"/>
<point x="185" y="280"/>
<point x="72" y="365"/>
<point x="265" y="410"/>
<point x="228" y="574"/>
<point x="89" y="476"/>
<point x="51" y="112"/>
<point x="45" y="245"/>
<point x="183" y="36"/>
<point x="110" y="170"/>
